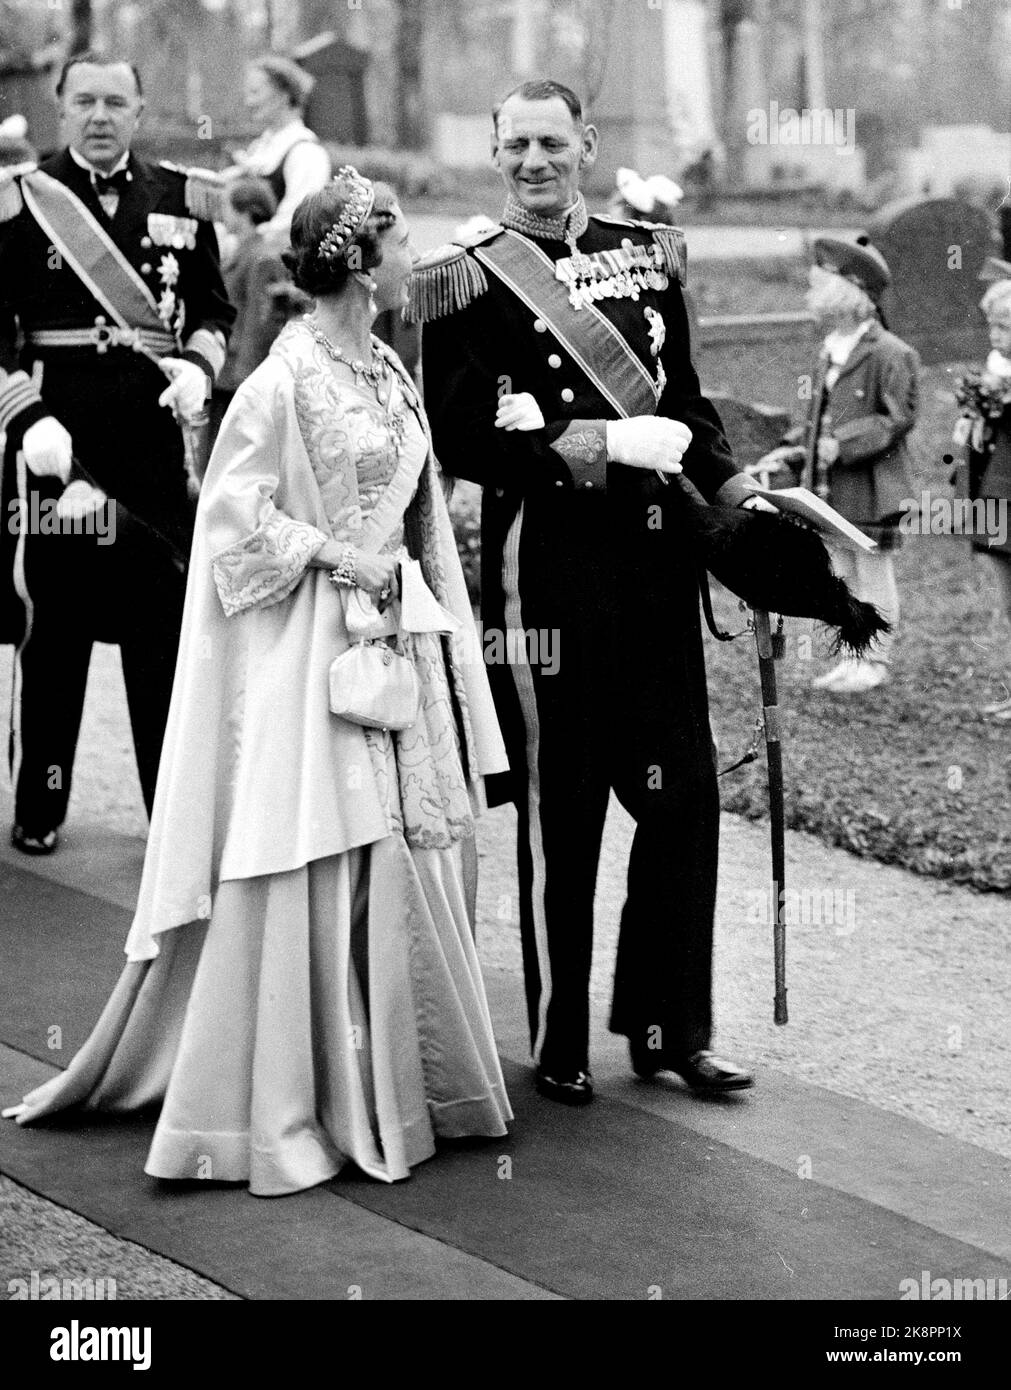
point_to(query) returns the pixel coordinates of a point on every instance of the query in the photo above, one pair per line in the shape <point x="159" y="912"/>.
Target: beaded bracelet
<point x="345" y="573"/>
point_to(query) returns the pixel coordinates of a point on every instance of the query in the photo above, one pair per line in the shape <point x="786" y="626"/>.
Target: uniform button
<point x="540" y="326"/>
<point x="568" y="395"/>
<point x="554" y="360"/>
<point x="146" y="268"/>
<point x="559" y="483"/>
<point x="145" y="241"/>
<point x="587" y="484"/>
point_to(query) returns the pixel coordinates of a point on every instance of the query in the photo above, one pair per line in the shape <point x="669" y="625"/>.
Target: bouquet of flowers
<point x="984" y="393"/>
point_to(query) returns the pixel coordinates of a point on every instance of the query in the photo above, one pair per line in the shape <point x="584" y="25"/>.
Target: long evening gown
<point x="334" y="1012"/>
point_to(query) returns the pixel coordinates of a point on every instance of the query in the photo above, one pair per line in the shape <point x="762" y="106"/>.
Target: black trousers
<point x="625" y="709"/>
<point x="131" y="590"/>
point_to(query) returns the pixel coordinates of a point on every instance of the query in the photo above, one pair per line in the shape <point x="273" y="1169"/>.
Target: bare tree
<point x="407" y="60"/>
<point x="597" y="17"/>
<point x="80" y="27"/>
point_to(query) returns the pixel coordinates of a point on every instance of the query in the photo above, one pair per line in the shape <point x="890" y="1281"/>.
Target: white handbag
<point x="372" y="683"/>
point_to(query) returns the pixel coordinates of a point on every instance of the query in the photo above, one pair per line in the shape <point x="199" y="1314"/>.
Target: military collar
<point x="122" y="165"/>
<point x="568" y="227"/>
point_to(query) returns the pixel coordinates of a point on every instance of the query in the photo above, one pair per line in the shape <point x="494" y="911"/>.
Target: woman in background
<point x="286" y="153"/>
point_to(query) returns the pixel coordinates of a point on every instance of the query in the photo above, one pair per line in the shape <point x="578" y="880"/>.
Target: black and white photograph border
<point x="651" y="426"/>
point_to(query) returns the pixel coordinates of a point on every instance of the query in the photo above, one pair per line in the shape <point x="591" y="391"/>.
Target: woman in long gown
<point x="302" y="986"/>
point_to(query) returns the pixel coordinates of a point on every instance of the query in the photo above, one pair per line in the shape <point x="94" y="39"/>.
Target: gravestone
<point x="28" y="91"/>
<point x="935" y="248"/>
<point x="336" y="109"/>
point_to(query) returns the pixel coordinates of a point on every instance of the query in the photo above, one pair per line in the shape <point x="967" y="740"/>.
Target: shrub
<point x="465" y="510"/>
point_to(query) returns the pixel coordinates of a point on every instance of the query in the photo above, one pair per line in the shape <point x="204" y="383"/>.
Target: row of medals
<point x="619" y="274"/>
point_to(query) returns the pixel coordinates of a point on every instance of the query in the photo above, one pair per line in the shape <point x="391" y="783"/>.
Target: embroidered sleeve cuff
<point x="265" y="566"/>
<point x="18" y="393"/>
<point x="206" y="347"/>
<point x="583" y="446"/>
<point x="736" y="490"/>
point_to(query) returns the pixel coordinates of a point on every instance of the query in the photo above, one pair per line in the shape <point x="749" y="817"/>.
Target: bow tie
<point x="110" y="183"/>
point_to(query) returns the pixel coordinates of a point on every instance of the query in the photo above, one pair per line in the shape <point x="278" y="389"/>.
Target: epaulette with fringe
<point x="671" y="241"/>
<point x="11" y="201"/>
<point x="447" y="279"/>
<point x="205" y="191"/>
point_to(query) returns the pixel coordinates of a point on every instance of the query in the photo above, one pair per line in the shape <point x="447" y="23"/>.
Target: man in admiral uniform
<point x="558" y="375"/>
<point x="113" y="324"/>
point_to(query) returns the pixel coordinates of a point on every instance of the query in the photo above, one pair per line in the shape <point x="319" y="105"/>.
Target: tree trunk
<point x="407" y="58"/>
<point x="81" y="24"/>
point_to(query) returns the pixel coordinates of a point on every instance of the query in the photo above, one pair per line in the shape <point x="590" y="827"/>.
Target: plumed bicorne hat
<point x="777" y="565"/>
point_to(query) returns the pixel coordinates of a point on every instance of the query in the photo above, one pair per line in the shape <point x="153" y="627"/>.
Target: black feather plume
<point x="774" y="563"/>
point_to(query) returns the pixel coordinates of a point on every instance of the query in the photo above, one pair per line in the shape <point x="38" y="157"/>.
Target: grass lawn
<point x="912" y="773"/>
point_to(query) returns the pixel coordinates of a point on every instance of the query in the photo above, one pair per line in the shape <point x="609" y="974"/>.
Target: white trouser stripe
<point x="528" y="704"/>
<point x="21" y="589"/>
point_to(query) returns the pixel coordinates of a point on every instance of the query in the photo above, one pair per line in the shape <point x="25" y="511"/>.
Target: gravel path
<point x="40" y="1237"/>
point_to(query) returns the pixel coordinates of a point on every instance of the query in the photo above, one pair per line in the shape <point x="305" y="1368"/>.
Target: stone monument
<point x="935" y="248"/>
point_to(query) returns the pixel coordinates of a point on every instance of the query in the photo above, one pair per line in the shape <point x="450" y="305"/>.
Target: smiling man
<point x="113" y="323"/>
<point x="558" y="375"/>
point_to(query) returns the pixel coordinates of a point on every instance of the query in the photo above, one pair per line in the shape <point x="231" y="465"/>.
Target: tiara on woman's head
<point x="353" y="216"/>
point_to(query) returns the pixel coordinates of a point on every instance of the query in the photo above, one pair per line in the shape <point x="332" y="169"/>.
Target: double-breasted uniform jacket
<point x="106" y="396"/>
<point x="872" y="407"/>
<point x="596" y="536"/>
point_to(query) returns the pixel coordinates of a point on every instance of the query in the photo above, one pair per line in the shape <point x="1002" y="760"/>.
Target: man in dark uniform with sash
<point x="558" y="375"/>
<point x="113" y="325"/>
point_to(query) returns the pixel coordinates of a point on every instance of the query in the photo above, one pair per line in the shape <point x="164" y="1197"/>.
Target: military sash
<point x="599" y="349"/>
<point x="92" y="255"/>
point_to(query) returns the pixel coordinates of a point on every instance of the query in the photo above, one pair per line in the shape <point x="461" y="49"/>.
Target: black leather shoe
<point x="703" y="1071"/>
<point x="34" y="844"/>
<point x="569" y="1090"/>
<point x="708" y="1074"/>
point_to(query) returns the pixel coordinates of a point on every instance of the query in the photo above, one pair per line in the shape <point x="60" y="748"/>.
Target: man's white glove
<point x="79" y="499"/>
<point x="648" y="441"/>
<point x="187" y="392"/>
<point x="48" y="449"/>
<point x="519" y="412"/>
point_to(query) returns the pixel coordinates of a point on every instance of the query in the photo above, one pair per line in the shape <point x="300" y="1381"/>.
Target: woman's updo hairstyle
<point x="313" y="219"/>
